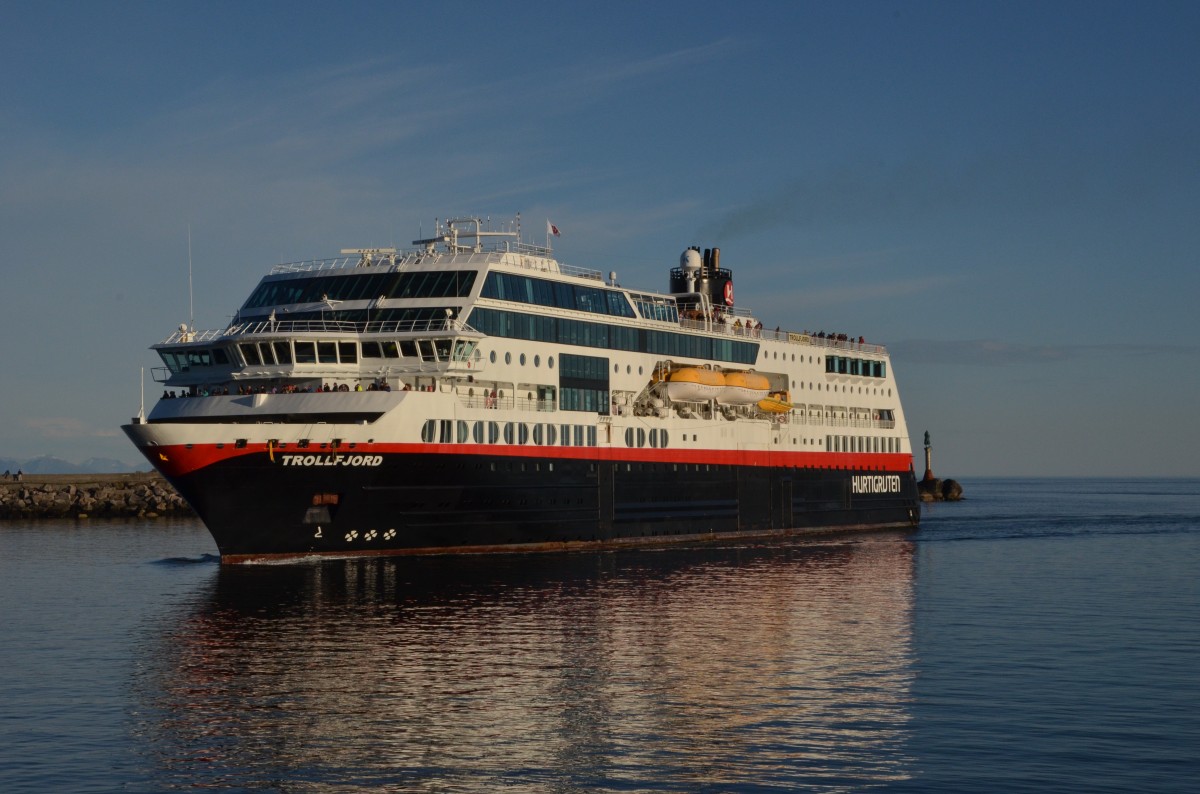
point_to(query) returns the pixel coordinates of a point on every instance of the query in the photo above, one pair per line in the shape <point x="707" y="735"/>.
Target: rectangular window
<point x="250" y="354"/>
<point x="371" y="350"/>
<point x="327" y="352"/>
<point x="306" y="352"/>
<point x="348" y="352"/>
<point x="283" y="352"/>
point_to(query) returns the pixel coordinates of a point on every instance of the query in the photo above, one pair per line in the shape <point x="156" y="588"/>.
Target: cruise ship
<point x="475" y="395"/>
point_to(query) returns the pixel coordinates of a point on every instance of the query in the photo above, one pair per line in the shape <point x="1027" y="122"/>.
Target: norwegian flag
<point x="551" y="229"/>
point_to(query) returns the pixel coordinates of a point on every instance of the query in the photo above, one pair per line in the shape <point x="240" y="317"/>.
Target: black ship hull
<point x="473" y="503"/>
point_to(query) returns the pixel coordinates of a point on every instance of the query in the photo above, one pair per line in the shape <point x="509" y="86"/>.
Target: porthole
<point x="616" y="369"/>
<point x="508" y="358"/>
<point x="537" y="361"/>
<point x="628" y="370"/>
<point x="522" y="359"/>
<point x="639" y="370"/>
<point x="550" y="362"/>
<point x="492" y="357"/>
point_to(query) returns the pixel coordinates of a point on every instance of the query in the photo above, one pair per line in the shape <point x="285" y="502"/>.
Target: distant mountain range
<point x="50" y="465"/>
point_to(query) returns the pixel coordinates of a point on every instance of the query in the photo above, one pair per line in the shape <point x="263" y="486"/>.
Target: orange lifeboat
<point x="743" y="388"/>
<point x="694" y="384"/>
<point x="777" y="402"/>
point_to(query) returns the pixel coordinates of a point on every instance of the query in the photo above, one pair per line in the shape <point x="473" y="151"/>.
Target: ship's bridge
<point x="303" y="351"/>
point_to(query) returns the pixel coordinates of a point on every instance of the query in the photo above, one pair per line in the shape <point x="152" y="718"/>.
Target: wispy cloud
<point x="1015" y="179"/>
<point x="993" y="352"/>
<point x="619" y="72"/>
<point x="861" y="292"/>
<point x="63" y="427"/>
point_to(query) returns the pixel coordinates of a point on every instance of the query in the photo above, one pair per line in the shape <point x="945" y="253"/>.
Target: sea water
<point x="1042" y="635"/>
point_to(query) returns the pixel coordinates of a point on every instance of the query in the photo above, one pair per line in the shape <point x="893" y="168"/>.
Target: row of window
<point x="449" y="431"/>
<point x="282" y="291"/>
<point x="842" y="365"/>
<point x="285" y="351"/>
<point x="409" y="319"/>
<point x="556" y="294"/>
<point x="656" y="307"/>
<point x="637" y="437"/>
<point x="862" y="444"/>
<point x="583" y="383"/>
<point x="560" y="330"/>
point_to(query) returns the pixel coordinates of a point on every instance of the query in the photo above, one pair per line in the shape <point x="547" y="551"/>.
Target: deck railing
<point x="437" y="325"/>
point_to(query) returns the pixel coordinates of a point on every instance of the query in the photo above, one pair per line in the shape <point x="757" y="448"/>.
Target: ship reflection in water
<point x="783" y="666"/>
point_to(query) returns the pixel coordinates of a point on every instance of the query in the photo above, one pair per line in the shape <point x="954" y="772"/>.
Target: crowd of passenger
<point x="835" y="337"/>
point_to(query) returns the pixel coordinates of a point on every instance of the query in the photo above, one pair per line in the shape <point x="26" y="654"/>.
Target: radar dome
<point x="690" y="259"/>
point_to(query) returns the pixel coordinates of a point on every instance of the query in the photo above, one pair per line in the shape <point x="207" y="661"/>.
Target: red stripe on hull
<point x="179" y="460"/>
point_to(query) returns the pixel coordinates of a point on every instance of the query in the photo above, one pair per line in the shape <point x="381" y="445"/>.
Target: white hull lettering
<point x="331" y="460"/>
<point x="868" y="483"/>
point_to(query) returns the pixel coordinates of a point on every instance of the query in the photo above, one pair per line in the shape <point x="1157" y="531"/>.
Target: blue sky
<point x="1005" y="194"/>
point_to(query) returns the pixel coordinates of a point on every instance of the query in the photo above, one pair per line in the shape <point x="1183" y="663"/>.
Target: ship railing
<point x="342" y="263"/>
<point x="509" y="402"/>
<point x="793" y="337"/>
<point x="337" y="263"/>
<point x="436" y="325"/>
<point x="541" y="262"/>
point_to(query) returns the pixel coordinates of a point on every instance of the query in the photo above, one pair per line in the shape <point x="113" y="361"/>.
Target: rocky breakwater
<point x="90" y="496"/>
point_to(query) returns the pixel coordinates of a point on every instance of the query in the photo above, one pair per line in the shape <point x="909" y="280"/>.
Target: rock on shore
<point x="935" y="490"/>
<point x="90" y="496"/>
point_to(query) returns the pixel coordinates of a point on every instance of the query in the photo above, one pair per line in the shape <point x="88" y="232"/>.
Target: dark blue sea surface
<point x="1043" y="635"/>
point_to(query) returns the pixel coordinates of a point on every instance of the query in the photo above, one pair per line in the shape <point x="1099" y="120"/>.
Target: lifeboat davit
<point x="743" y="388"/>
<point x="694" y="384"/>
<point x="777" y="402"/>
